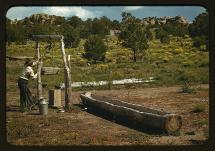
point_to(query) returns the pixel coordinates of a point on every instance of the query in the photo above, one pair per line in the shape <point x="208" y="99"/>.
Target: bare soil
<point x="79" y="127"/>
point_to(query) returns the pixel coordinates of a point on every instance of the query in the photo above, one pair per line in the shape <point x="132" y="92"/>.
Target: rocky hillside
<point x="52" y="19"/>
<point x="41" y="18"/>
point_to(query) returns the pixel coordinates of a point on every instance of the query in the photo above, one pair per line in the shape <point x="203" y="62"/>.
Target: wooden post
<point x="67" y="80"/>
<point x="39" y="82"/>
<point x="69" y="62"/>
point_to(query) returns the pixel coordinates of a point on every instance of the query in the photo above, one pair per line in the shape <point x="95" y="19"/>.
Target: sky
<point x="112" y="12"/>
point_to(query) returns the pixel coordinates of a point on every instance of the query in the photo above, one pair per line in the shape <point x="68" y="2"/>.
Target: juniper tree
<point x="133" y="34"/>
<point x="95" y="48"/>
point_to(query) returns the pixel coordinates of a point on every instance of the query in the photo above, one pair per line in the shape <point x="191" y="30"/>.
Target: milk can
<point x="43" y="106"/>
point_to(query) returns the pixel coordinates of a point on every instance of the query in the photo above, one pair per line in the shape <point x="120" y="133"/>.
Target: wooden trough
<point x="144" y="116"/>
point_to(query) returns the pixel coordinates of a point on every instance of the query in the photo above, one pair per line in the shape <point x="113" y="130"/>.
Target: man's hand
<point x="35" y="63"/>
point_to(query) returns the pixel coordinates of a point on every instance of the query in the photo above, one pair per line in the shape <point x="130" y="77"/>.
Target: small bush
<point x="204" y="62"/>
<point x="199" y="41"/>
<point x="81" y="62"/>
<point x="165" y="39"/>
<point x="187" y="88"/>
<point x="102" y="67"/>
<point x="118" y="55"/>
<point x="198" y="108"/>
<point x="110" y="84"/>
<point x="118" y="75"/>
<point x="178" y="50"/>
<point x="201" y="123"/>
<point x="188" y="63"/>
<point x="165" y="59"/>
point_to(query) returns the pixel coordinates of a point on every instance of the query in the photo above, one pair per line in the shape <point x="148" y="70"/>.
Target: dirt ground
<point x="80" y="127"/>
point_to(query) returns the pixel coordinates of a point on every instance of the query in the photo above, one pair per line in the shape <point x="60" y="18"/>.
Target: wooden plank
<point x="164" y="121"/>
<point x="55" y="98"/>
<point x="50" y="70"/>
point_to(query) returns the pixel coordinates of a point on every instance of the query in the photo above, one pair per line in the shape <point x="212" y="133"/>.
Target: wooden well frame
<point x="67" y="74"/>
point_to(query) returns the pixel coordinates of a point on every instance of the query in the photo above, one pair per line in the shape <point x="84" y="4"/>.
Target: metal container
<point x="43" y="106"/>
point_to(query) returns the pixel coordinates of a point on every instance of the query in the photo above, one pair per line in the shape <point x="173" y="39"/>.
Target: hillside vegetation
<point x="173" y="63"/>
<point x="169" y="49"/>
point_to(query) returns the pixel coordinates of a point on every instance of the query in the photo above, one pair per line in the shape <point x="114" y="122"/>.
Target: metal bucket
<point x="43" y="106"/>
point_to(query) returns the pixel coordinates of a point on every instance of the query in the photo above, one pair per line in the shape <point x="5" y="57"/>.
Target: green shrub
<point x="165" y="59"/>
<point x="178" y="50"/>
<point x="188" y="63"/>
<point x="118" y="55"/>
<point x="118" y="75"/>
<point x="189" y="76"/>
<point x="187" y="88"/>
<point x="204" y="62"/>
<point x="199" y="41"/>
<point x="81" y="62"/>
<point x="95" y="48"/>
<point x="102" y="67"/>
<point x="198" y="108"/>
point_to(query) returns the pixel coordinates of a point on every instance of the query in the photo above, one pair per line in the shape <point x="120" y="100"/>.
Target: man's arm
<point x="31" y="71"/>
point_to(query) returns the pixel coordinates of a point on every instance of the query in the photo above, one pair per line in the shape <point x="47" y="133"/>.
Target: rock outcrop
<point x="164" y="20"/>
<point x="41" y="18"/>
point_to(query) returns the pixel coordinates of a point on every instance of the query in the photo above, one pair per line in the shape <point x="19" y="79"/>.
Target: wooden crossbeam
<point x="47" y="37"/>
<point x="18" y="57"/>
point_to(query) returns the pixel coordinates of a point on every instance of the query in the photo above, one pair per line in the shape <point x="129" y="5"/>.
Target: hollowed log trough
<point x="143" y="116"/>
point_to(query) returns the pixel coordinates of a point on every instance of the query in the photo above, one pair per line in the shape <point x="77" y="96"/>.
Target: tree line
<point x="133" y="34"/>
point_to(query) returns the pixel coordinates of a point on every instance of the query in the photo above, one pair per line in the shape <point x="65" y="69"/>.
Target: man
<point x="26" y="101"/>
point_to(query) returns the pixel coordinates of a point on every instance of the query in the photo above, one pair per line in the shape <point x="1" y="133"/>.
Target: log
<point x="147" y="117"/>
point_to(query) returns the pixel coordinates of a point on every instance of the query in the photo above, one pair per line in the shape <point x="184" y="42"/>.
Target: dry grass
<point x="81" y="128"/>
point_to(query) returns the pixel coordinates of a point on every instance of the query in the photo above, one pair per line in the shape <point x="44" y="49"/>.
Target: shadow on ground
<point x="13" y="108"/>
<point x="198" y="142"/>
<point x="105" y="115"/>
<point x="123" y="121"/>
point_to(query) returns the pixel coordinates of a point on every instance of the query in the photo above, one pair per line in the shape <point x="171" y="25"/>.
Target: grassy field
<point x="182" y="76"/>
